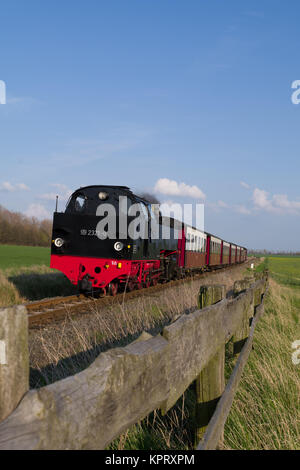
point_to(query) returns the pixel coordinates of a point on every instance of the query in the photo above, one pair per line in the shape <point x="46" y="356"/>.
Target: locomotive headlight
<point x="58" y="242"/>
<point x="102" y="195"/>
<point x="118" y="246"/>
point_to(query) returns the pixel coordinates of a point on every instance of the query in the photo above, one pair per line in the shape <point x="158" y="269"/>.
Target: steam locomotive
<point x="109" y="239"/>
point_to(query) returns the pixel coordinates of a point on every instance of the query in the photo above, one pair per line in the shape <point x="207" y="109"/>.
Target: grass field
<point x="25" y="275"/>
<point x="13" y="256"/>
<point x="285" y="270"/>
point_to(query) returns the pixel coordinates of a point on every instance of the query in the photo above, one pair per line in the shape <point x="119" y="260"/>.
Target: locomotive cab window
<point x="79" y="203"/>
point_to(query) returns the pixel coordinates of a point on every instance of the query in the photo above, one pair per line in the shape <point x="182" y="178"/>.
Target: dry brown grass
<point x="20" y="284"/>
<point x="9" y="295"/>
<point x="67" y="347"/>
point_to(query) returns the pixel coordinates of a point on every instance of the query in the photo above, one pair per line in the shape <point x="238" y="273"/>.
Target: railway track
<point x="46" y="311"/>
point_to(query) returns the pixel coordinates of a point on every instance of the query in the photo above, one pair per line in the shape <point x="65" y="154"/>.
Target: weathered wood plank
<point x="209" y="295"/>
<point x="90" y="409"/>
<point x="14" y="360"/>
<point x="241" y="335"/>
<point x="123" y="385"/>
<point x="216" y="425"/>
<point x="242" y="284"/>
<point x="209" y="388"/>
<point x="210" y="382"/>
<point x="194" y="339"/>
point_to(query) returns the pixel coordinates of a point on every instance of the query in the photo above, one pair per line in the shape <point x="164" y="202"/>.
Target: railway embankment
<point x="60" y="349"/>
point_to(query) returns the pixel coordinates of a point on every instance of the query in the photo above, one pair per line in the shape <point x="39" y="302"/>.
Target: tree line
<point x="273" y="252"/>
<point x="18" y="229"/>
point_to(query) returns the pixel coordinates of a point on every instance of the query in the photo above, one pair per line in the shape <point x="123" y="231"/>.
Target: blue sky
<point x="132" y="92"/>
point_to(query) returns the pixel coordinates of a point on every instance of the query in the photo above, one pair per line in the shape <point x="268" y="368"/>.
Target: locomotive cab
<point x="95" y="224"/>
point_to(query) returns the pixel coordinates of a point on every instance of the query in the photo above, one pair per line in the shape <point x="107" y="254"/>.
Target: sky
<point x="190" y="100"/>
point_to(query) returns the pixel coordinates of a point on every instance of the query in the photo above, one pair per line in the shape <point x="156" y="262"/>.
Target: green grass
<point x="285" y="270"/>
<point x="265" y="412"/>
<point x="25" y="275"/>
<point x="13" y="256"/>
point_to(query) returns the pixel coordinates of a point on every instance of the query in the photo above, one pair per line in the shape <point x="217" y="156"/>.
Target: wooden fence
<point x="124" y="385"/>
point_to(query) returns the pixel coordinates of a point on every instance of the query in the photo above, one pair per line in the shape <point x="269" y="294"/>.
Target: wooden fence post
<point x="242" y="285"/>
<point x="14" y="358"/>
<point x="210" y="383"/>
<point x="209" y="295"/>
<point x="241" y="335"/>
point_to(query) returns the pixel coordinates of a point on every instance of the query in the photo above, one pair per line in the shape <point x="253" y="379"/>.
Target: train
<point x="108" y="239"/>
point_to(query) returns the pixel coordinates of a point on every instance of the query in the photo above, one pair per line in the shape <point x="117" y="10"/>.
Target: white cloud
<point x="241" y="209"/>
<point x="217" y="206"/>
<point x="260" y="199"/>
<point x="22" y="100"/>
<point x="172" y="188"/>
<point x="63" y="193"/>
<point x="282" y="201"/>
<point x="48" y="196"/>
<point x="278" y="203"/>
<point x="222" y="204"/>
<point x="245" y="185"/>
<point x="7" y="186"/>
<point x="61" y="187"/>
<point x="38" y="211"/>
<point x="22" y="187"/>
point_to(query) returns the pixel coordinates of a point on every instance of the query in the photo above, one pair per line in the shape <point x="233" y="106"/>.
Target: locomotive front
<point x="92" y="244"/>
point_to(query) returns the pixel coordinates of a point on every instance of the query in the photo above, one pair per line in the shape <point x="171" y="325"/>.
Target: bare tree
<point x="17" y="229"/>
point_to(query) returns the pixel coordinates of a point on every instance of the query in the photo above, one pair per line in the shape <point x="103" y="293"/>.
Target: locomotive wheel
<point x="154" y="282"/>
<point x="113" y="288"/>
<point x="130" y="286"/>
<point x="147" y="282"/>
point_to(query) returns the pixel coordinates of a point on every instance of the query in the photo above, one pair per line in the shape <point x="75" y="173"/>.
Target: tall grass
<point x="9" y="295"/>
<point x="20" y="284"/>
<point x="266" y="410"/>
<point x="68" y="347"/>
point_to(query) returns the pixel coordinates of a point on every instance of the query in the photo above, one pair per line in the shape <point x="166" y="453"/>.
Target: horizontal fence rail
<point x="124" y="385"/>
